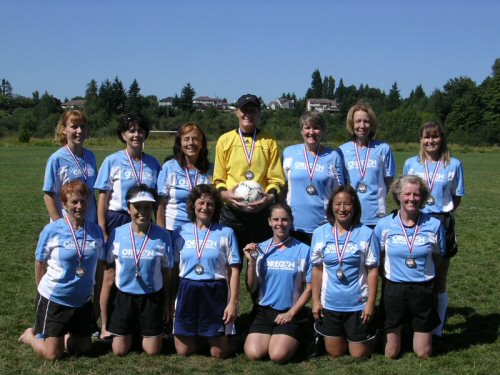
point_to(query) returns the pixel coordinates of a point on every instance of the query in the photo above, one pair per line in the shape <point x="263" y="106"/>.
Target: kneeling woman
<point x="279" y="274"/>
<point x="67" y="257"/>
<point x="207" y="260"/>
<point x="345" y="257"/>
<point x="139" y="258"/>
<point x="412" y="244"/>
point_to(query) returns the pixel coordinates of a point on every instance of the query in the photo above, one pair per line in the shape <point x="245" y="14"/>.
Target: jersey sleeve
<point x="109" y="256"/>
<point x="163" y="186"/>
<point x="372" y="257"/>
<point x="233" y="252"/>
<point x="220" y="167"/>
<point x="275" y="176"/>
<point x="50" y="180"/>
<point x="406" y="167"/>
<point x="338" y="172"/>
<point x="42" y="252"/>
<point x="316" y="250"/>
<point x="308" y="265"/>
<point x="458" y="188"/>
<point x="178" y="243"/>
<point x="390" y="163"/>
<point x="103" y="181"/>
<point x="168" y="258"/>
<point x="440" y="243"/>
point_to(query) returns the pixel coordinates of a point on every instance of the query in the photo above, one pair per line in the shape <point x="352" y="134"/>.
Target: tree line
<point x="469" y="112"/>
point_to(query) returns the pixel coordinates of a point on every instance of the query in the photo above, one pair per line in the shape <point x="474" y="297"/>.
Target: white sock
<point x="442" y="305"/>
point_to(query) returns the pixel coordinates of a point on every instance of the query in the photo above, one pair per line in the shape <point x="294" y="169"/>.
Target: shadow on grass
<point x="475" y="329"/>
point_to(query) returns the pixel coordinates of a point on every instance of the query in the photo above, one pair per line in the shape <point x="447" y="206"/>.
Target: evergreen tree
<point x="135" y="100"/>
<point x="393" y="99"/>
<point x="185" y="102"/>
<point x="316" y="89"/>
<point x="6" y="88"/>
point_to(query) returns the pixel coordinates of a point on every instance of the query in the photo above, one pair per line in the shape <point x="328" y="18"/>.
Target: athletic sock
<point x="442" y="305"/>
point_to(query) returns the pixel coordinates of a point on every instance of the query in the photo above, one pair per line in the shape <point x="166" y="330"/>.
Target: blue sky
<point x="228" y="48"/>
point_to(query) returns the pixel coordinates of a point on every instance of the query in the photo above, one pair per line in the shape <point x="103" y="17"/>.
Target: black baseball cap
<point x="247" y="99"/>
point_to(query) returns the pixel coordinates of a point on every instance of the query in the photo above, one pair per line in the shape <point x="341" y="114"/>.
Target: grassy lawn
<point x="471" y="336"/>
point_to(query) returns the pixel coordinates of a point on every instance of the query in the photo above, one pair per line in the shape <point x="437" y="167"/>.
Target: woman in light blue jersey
<point x="445" y="179"/>
<point x="122" y="170"/>
<point x="312" y="172"/>
<point x="71" y="162"/>
<point x="412" y="244"/>
<point x="67" y="259"/>
<point x="369" y="163"/>
<point x="279" y="276"/>
<point x="207" y="262"/>
<point x="139" y="262"/>
<point x="187" y="168"/>
<point x="345" y="259"/>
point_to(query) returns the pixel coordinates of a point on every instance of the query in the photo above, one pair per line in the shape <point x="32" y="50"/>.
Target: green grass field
<point x="471" y="344"/>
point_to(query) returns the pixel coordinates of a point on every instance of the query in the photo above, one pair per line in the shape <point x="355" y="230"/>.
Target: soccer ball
<point x="250" y="191"/>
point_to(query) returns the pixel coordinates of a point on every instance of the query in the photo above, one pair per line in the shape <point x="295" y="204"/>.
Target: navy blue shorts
<point x="116" y="219"/>
<point x="199" y="308"/>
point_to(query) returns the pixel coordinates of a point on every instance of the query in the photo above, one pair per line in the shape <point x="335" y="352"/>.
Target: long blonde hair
<point x="76" y="117"/>
<point x="427" y="129"/>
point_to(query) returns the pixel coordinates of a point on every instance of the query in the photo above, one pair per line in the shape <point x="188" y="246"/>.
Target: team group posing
<point x="319" y="230"/>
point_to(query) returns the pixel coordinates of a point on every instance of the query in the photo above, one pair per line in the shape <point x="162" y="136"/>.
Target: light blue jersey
<point x="381" y="164"/>
<point x="220" y="252"/>
<point x="449" y="182"/>
<point x="57" y="249"/>
<point x="282" y="274"/>
<point x="362" y="253"/>
<point x="309" y="211"/>
<point x="117" y="177"/>
<point x="62" y="168"/>
<point x="430" y="240"/>
<point x="157" y="255"/>
<point x="174" y="187"/>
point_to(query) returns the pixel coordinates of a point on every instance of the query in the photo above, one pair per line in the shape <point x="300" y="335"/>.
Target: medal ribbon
<point x="188" y="178"/>
<point x="410" y="244"/>
<point x="137" y="257"/>
<point x="199" y="251"/>
<point x="310" y="171"/>
<point x="274" y="246"/>
<point x="85" y="172"/>
<point x="80" y="250"/>
<point x="248" y="155"/>
<point x="341" y="251"/>
<point x="138" y="178"/>
<point x="431" y="179"/>
<point x="362" y="168"/>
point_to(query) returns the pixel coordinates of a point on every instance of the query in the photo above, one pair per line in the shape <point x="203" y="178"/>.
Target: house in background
<point x="322" y="105"/>
<point x="282" y="103"/>
<point x="204" y="102"/>
<point x="166" y="102"/>
<point x="74" y="104"/>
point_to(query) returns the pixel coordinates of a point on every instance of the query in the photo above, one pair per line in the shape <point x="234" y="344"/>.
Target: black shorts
<point x="141" y="313"/>
<point x="248" y="227"/>
<point x="263" y="322"/>
<point x="55" y="320"/>
<point x="448" y="220"/>
<point x="409" y="302"/>
<point x="116" y="219"/>
<point x="347" y="324"/>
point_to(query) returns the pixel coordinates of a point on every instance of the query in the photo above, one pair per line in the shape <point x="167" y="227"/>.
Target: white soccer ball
<point x="250" y="191"/>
